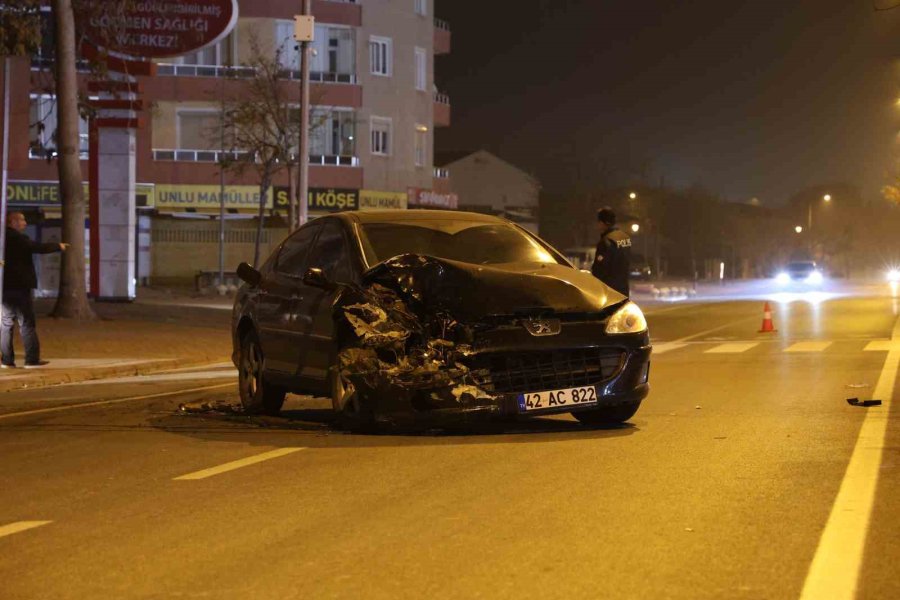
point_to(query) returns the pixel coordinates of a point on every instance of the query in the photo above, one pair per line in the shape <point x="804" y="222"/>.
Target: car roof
<point x="406" y="216"/>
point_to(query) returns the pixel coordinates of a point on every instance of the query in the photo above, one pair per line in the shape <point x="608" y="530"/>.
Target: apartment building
<point x="375" y="106"/>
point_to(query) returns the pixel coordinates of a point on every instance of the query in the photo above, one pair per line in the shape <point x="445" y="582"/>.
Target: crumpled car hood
<point x="472" y="292"/>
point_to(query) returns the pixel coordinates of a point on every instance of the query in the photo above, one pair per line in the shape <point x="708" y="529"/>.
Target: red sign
<point x="421" y="197"/>
<point x="162" y="28"/>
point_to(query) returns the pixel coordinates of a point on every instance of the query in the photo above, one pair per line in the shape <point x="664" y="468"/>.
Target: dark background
<point x="749" y="99"/>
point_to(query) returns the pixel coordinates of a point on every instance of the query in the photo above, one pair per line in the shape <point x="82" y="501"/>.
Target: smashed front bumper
<point x="628" y="384"/>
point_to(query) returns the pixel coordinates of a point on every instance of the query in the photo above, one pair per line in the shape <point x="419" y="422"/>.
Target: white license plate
<point x="579" y="396"/>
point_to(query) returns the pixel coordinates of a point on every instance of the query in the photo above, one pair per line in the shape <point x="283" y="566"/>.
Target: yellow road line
<point x="20" y="526"/>
<point x="51" y="409"/>
<point x="834" y="572"/>
<point x="237" y="464"/>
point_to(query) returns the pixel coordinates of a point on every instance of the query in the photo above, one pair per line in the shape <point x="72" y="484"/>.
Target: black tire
<point x="607" y="415"/>
<point x="257" y="395"/>
<point x="351" y="410"/>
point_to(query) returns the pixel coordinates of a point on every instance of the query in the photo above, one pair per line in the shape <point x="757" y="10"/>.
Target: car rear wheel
<point x="257" y="395"/>
<point x="607" y="415"/>
<point x="352" y="411"/>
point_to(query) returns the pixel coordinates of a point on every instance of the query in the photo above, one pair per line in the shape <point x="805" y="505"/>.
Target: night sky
<point x="751" y="99"/>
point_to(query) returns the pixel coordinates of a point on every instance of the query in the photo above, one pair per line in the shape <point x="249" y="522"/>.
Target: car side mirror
<point x="316" y="278"/>
<point x="249" y="274"/>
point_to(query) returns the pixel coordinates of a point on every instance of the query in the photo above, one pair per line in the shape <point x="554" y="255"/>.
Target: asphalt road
<point x="734" y="480"/>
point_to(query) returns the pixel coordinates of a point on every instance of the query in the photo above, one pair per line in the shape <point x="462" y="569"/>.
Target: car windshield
<point x="473" y="242"/>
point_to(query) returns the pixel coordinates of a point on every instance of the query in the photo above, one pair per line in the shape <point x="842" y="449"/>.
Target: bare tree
<point x="261" y="126"/>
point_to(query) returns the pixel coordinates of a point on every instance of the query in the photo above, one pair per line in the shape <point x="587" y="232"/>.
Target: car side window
<point x="293" y="256"/>
<point x="331" y="253"/>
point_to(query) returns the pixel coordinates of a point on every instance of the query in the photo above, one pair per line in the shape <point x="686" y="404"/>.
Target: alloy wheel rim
<point x="251" y="370"/>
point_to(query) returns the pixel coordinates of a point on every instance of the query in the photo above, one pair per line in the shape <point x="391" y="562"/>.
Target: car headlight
<point x="893" y="275"/>
<point x="783" y="278"/>
<point x="628" y="319"/>
<point x="814" y="277"/>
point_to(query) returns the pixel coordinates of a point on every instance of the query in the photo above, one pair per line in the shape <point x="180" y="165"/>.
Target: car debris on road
<point x="857" y="402"/>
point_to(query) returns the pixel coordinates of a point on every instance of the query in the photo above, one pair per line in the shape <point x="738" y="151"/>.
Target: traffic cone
<point x="767" y="325"/>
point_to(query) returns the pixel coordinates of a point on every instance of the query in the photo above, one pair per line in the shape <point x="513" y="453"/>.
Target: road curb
<point x="46" y="379"/>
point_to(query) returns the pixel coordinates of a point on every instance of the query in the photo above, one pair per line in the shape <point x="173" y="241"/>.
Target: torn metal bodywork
<point x="402" y="362"/>
<point x="410" y="330"/>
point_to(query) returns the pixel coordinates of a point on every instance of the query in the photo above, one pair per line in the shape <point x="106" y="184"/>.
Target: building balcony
<point x="441" y="37"/>
<point x="240" y="72"/>
<point x="217" y="156"/>
<point x="207" y="83"/>
<point x="441" y="110"/>
<point x="339" y="12"/>
<point x="441" y="173"/>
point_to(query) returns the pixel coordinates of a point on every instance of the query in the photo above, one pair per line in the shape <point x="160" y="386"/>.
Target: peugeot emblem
<point x="543" y="327"/>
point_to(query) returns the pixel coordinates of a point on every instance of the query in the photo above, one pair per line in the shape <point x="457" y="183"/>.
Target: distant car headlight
<point x="783" y="278"/>
<point x="893" y="275"/>
<point x="814" y="277"/>
<point x="628" y="319"/>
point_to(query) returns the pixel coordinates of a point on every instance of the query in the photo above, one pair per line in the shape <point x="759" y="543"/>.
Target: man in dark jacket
<point x="613" y="260"/>
<point x="19" y="281"/>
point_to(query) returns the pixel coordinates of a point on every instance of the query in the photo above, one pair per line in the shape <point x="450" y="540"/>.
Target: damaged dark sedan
<point x="408" y="316"/>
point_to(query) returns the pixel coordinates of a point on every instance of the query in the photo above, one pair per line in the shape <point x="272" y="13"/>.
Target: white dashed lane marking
<point x="663" y="347"/>
<point x="20" y="526"/>
<point x="808" y="347"/>
<point x="732" y="348"/>
<point x="882" y="346"/>
<point x="237" y="464"/>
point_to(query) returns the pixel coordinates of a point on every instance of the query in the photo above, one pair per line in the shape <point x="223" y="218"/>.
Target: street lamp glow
<point x="635" y="227"/>
<point x="798" y="229"/>
<point x="632" y="195"/>
<point x="827" y="197"/>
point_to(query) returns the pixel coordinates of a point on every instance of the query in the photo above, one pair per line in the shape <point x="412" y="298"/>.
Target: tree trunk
<point x="72" y="301"/>
<point x="263" y="190"/>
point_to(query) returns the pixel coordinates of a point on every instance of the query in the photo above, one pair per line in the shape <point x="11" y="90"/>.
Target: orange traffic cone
<point x="767" y="325"/>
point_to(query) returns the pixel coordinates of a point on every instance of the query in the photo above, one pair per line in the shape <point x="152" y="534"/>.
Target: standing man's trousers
<point x="18" y="307"/>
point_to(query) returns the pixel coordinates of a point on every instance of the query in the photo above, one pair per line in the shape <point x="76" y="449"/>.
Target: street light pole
<point x="3" y="197"/>
<point x="303" y="149"/>
<point x="222" y="183"/>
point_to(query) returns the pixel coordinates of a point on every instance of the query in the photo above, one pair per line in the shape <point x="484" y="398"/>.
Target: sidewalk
<point x="157" y="332"/>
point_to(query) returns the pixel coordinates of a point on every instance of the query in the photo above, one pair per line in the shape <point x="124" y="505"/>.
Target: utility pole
<point x="3" y="198"/>
<point x="304" y="32"/>
<point x="222" y="183"/>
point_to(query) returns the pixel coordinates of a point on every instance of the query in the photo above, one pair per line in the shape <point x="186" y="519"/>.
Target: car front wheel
<point x="607" y="415"/>
<point x="352" y="411"/>
<point x="257" y="395"/>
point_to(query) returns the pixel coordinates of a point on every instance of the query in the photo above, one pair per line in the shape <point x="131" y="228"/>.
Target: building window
<point x="421" y="69"/>
<point x="286" y="45"/>
<point x="421" y="144"/>
<point x="333" y="56"/>
<point x="198" y="129"/>
<point x="380" y="58"/>
<point x="381" y="136"/>
<point x="43" y="125"/>
<point x="421" y="7"/>
<point x="218" y="55"/>
<point x="332" y="132"/>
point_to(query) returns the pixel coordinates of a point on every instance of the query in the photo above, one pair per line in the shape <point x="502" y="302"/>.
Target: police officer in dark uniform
<point x="613" y="260"/>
